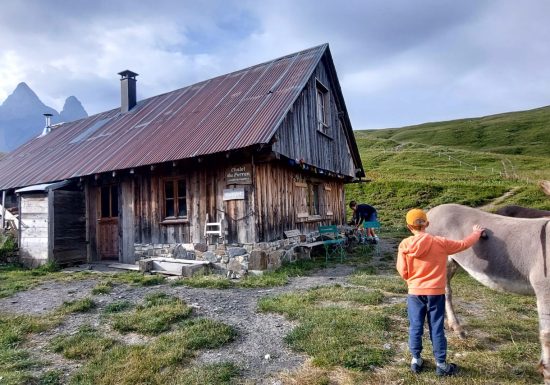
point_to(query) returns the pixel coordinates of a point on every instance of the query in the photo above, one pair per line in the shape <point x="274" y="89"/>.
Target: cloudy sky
<point x="399" y="62"/>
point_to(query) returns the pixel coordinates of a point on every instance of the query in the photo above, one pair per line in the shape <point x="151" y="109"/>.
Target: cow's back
<point x="522" y="212"/>
<point x="510" y="255"/>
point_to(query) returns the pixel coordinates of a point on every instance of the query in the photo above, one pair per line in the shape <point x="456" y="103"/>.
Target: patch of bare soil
<point x="259" y="349"/>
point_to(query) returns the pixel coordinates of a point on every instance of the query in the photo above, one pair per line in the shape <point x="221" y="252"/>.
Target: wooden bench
<point x="298" y="236"/>
<point x="293" y="234"/>
<point x="304" y="247"/>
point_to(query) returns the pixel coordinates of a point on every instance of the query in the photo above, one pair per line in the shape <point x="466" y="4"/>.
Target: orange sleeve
<point x="453" y="247"/>
<point x="402" y="265"/>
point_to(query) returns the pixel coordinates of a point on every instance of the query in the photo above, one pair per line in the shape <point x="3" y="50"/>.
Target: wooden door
<point x="107" y="224"/>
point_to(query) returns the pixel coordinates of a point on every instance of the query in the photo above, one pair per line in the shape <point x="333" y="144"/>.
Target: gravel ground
<point x="259" y="348"/>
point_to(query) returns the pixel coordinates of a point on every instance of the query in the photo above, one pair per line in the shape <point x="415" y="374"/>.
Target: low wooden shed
<point x="52" y="224"/>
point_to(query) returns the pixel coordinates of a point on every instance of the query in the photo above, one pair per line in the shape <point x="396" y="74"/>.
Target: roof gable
<point x="229" y="112"/>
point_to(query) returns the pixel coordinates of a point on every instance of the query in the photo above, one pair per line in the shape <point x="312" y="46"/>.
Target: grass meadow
<point x="358" y="334"/>
<point x="354" y="333"/>
<point x="400" y="176"/>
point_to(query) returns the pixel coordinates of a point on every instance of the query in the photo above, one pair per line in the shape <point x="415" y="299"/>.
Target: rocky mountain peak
<point x="21" y="116"/>
<point x="72" y="110"/>
<point x="21" y="101"/>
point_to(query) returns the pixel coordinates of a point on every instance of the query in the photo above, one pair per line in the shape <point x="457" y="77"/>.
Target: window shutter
<point x="300" y="200"/>
<point x="327" y="197"/>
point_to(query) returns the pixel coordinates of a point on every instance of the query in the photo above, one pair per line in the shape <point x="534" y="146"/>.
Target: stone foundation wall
<point x="234" y="261"/>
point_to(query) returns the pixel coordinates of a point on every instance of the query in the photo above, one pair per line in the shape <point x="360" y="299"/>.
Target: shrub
<point x="8" y="245"/>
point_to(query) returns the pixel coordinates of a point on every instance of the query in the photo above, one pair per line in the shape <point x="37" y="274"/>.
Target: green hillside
<point x="435" y="163"/>
<point x="523" y="132"/>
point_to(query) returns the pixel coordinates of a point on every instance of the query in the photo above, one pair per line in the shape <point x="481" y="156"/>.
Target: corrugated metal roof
<point x="229" y="112"/>
<point x="43" y="187"/>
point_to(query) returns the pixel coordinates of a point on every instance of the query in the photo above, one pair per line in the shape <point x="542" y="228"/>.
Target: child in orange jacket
<point x="422" y="262"/>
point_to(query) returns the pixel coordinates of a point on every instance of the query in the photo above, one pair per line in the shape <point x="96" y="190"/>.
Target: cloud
<point x="399" y="62"/>
<point x="10" y="72"/>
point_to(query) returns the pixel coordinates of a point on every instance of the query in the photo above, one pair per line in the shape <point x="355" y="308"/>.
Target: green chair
<point x="374" y="225"/>
<point x="334" y="245"/>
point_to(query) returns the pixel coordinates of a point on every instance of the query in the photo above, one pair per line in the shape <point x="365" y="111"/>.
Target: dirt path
<point x="495" y="202"/>
<point x="259" y="348"/>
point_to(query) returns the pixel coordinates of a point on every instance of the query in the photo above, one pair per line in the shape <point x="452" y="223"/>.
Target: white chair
<point x="212" y="229"/>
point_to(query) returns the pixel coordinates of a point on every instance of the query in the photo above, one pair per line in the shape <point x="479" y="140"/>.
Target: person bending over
<point x="364" y="213"/>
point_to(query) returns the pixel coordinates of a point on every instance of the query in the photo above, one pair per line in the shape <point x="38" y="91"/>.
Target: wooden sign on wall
<point x="239" y="175"/>
<point x="231" y="194"/>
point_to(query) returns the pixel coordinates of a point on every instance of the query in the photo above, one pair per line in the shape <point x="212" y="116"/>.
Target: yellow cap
<point x="416" y="217"/>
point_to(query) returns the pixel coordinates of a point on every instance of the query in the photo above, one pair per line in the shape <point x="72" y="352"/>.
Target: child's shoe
<point x="416" y="365"/>
<point x="375" y="239"/>
<point x="446" y="369"/>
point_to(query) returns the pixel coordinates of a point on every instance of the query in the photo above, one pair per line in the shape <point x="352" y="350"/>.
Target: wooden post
<point x="51" y="229"/>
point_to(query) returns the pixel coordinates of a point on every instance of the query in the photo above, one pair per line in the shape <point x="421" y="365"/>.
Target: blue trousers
<point x="432" y="307"/>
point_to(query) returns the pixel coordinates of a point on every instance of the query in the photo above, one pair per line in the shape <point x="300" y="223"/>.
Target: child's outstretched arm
<point x="453" y="247"/>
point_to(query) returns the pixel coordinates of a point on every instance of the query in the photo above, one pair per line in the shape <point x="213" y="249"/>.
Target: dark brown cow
<point x="522" y="212"/>
<point x="513" y="257"/>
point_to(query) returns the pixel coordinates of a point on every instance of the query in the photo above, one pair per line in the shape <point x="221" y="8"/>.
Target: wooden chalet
<point x="261" y="150"/>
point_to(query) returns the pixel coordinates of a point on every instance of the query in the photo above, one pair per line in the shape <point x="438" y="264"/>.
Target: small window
<point x="175" y="199"/>
<point x="323" y="116"/>
<point x="109" y="201"/>
<point x="307" y="201"/>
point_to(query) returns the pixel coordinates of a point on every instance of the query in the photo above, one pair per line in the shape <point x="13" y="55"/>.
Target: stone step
<point x="181" y="267"/>
<point x="124" y="266"/>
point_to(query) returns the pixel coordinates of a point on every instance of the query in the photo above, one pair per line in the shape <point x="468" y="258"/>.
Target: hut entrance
<point x="108" y="222"/>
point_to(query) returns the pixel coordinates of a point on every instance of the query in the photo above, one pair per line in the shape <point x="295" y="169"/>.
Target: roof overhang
<point x="44" y="187"/>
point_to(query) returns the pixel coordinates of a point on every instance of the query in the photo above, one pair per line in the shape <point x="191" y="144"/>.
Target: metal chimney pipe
<point x="48" y="127"/>
<point x="127" y="90"/>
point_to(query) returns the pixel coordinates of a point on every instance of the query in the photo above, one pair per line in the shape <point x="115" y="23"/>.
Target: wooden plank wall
<point x="126" y="221"/>
<point x="147" y="195"/>
<point x="33" y="247"/>
<point x="279" y="198"/>
<point x="205" y="185"/>
<point x="268" y="210"/>
<point x="240" y="218"/>
<point x="298" y="137"/>
<point x="69" y="226"/>
<point x="270" y="207"/>
<point x="204" y="196"/>
<point x="92" y="196"/>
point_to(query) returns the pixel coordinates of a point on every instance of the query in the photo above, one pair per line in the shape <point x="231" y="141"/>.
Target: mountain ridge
<point x="21" y="116"/>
